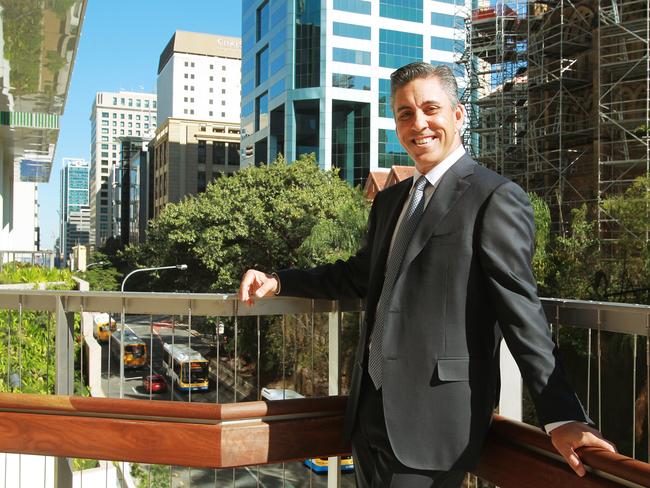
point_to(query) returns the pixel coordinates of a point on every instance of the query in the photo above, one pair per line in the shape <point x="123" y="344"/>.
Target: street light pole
<point x="182" y="267"/>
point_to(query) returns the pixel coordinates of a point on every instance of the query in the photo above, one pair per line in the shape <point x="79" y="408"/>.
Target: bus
<point x="186" y="368"/>
<point x="135" y="349"/>
<point x="103" y="326"/>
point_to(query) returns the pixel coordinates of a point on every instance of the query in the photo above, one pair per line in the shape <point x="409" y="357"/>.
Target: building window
<point x="219" y="152"/>
<point x="186" y="63"/>
<point x="307" y="43"/>
<point x="212" y="66"/>
<point x="223" y="68"/>
<point x="130" y="102"/>
<point x="210" y="101"/>
<point x="201" y="152"/>
<point x="261" y="111"/>
<point x="223" y="80"/>
<point x="262" y="21"/>
<point x="114" y="100"/>
<point x="442" y="43"/>
<point x="192" y="76"/>
<point x="138" y="103"/>
<point x="352" y="30"/>
<point x="356" y="6"/>
<point x="211" y="90"/>
<point x="121" y="101"/>
<point x="105" y="114"/>
<point x="223" y="91"/>
<point x="185" y="75"/>
<point x="192" y="64"/>
<point x="385" y="109"/>
<point x="354" y="82"/>
<point x="223" y="114"/>
<point x="398" y="48"/>
<point x="390" y="151"/>
<point x="210" y="113"/>
<point x="442" y="20"/>
<point x="146" y="104"/>
<point x="223" y="102"/>
<point x="351" y="56"/>
<point x="401" y="9"/>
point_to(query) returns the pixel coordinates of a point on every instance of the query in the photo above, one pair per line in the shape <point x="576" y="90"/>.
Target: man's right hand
<point x="256" y="284"/>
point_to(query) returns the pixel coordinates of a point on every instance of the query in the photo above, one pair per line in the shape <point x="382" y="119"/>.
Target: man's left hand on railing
<point x="573" y="435"/>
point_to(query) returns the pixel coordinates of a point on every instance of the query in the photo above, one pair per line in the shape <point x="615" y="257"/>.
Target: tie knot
<point x="421" y="183"/>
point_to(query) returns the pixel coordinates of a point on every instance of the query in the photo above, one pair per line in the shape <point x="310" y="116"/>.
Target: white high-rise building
<point x="114" y="115"/>
<point x="199" y="78"/>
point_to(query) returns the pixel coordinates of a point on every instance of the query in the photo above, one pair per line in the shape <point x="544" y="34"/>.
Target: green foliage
<point x="631" y="269"/>
<point x="27" y="352"/>
<point x="270" y="217"/>
<point x="25" y="273"/>
<point x="541" y="265"/>
<point x="23" y="36"/>
<point x="148" y="475"/>
<point x="575" y="258"/>
<point x="81" y="464"/>
<point x="102" y="277"/>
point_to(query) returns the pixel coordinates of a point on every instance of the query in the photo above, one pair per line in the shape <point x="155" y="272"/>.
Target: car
<point x="319" y="464"/>
<point x="154" y="383"/>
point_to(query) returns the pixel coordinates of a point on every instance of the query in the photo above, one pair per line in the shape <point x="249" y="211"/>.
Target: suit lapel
<point x="393" y="209"/>
<point x="451" y="187"/>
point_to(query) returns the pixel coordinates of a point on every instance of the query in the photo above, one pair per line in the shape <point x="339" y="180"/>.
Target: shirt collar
<point x="441" y="168"/>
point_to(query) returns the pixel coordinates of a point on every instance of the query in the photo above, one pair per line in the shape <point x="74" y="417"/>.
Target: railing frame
<point x="611" y="317"/>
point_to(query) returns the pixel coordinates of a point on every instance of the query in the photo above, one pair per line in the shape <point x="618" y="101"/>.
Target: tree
<point x="269" y="217"/>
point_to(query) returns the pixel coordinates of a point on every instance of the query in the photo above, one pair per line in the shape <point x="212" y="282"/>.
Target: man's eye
<point x="404" y="115"/>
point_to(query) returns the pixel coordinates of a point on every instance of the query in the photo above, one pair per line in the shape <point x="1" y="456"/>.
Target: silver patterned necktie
<point x="395" y="257"/>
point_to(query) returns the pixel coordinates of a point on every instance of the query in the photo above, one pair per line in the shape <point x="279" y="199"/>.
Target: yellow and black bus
<point x="186" y="368"/>
<point x="135" y="349"/>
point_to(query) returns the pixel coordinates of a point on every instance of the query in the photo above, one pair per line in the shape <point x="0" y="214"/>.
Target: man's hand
<point x="256" y="284"/>
<point x="568" y="437"/>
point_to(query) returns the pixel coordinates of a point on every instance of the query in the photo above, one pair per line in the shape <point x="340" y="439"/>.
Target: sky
<point x="119" y="48"/>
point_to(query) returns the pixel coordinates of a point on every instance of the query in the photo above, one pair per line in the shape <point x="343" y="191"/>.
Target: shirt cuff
<point x="554" y="425"/>
<point x="277" y="278"/>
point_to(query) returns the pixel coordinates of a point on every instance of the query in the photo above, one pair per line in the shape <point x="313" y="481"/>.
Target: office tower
<point x="114" y="115"/>
<point x="75" y="210"/>
<point x="315" y="77"/>
<point x="198" y="136"/>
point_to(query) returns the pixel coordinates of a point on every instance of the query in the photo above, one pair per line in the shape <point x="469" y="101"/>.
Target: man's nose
<point x="420" y="121"/>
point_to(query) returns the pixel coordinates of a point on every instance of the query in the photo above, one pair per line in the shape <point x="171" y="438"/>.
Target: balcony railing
<point x="218" y="431"/>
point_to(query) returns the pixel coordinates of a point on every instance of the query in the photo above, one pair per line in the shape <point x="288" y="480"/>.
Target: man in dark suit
<point x="446" y="273"/>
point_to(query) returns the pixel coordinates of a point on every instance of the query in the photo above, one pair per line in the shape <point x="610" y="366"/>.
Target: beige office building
<point x="188" y="154"/>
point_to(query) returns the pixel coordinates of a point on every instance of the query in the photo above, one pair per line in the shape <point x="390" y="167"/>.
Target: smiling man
<point x="446" y="273"/>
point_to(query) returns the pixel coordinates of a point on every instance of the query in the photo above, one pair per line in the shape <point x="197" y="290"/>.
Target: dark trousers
<point x="375" y="463"/>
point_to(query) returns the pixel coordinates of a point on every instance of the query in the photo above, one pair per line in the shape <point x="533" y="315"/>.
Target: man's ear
<point x="459" y="115"/>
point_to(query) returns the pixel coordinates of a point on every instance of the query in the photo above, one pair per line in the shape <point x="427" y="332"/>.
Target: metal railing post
<point x="64" y="379"/>
<point x="334" y="380"/>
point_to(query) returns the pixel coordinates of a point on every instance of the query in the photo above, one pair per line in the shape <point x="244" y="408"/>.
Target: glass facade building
<point x="75" y="205"/>
<point x="315" y="77"/>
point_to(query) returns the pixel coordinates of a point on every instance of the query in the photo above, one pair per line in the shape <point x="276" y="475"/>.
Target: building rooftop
<point x="202" y="45"/>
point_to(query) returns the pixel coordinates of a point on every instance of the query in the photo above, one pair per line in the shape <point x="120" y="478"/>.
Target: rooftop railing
<point x="223" y="438"/>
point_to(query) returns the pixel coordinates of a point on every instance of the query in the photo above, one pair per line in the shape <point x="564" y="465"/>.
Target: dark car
<point x="154" y="383"/>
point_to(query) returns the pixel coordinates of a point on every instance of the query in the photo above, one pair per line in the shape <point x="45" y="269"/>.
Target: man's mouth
<point x="422" y="141"/>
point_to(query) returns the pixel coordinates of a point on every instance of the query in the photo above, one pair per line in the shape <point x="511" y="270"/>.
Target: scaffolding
<point x="623" y="146"/>
<point x="558" y="98"/>
<point x="494" y="58"/>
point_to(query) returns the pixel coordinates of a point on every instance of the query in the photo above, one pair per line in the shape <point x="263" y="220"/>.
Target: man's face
<point x="428" y="127"/>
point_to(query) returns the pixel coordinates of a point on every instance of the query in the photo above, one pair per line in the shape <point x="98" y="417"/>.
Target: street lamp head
<point x="182" y="267"/>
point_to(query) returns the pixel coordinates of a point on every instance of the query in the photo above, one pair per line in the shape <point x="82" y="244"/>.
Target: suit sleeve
<point x="506" y="250"/>
<point x="339" y="280"/>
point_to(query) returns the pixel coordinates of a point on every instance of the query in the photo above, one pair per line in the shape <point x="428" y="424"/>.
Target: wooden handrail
<point x="251" y="433"/>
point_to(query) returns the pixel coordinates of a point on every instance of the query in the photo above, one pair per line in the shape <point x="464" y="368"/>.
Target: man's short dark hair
<point x="421" y="70"/>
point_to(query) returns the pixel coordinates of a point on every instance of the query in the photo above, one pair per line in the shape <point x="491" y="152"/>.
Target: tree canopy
<point x="270" y="217"/>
